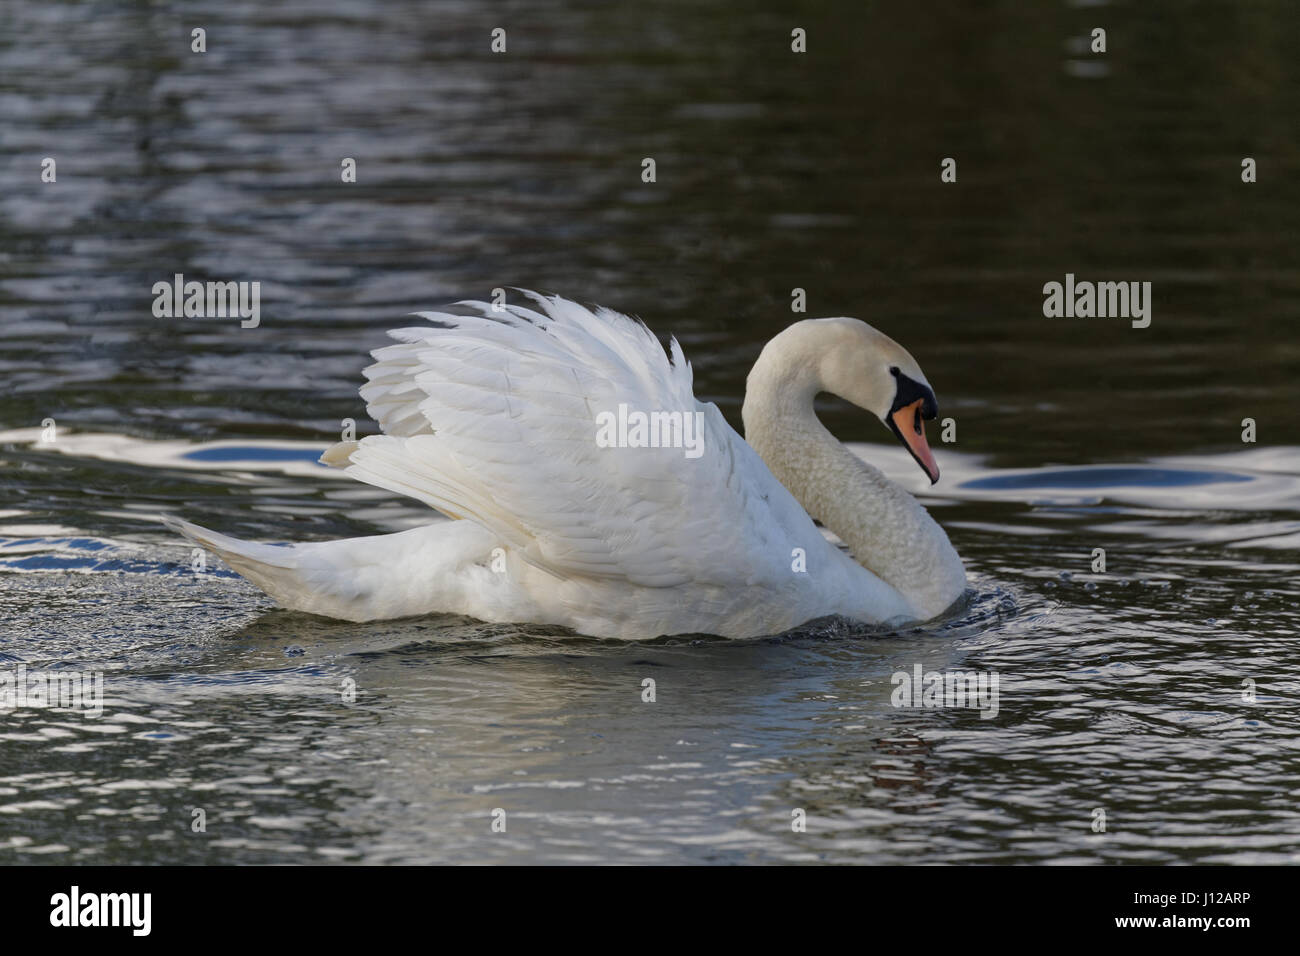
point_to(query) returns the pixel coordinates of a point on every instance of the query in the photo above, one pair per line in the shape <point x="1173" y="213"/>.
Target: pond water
<point x="1159" y="693"/>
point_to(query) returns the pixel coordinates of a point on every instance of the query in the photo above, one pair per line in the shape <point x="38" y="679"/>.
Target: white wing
<point x="492" y="417"/>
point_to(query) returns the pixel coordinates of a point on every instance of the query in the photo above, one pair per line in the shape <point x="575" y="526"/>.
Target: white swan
<point x="494" y="418"/>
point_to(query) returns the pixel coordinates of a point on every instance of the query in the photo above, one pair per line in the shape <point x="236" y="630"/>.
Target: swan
<point x="492" y="417"/>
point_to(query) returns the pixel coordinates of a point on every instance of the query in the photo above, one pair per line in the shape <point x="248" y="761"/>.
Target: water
<point x="1120" y="691"/>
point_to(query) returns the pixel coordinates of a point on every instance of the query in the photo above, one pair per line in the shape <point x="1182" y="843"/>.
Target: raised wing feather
<point x="493" y="417"/>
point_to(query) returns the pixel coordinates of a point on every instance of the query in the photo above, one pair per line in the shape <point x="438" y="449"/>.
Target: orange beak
<point x="906" y="423"/>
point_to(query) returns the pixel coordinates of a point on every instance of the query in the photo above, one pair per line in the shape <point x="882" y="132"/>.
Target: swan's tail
<point x="273" y="568"/>
<point x="420" y="571"/>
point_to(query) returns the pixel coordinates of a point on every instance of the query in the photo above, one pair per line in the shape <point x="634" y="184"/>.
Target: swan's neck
<point x="885" y="528"/>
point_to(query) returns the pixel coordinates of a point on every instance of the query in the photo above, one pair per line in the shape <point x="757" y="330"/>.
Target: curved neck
<point x="885" y="528"/>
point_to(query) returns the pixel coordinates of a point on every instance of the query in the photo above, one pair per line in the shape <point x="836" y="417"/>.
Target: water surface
<point x="1120" y="690"/>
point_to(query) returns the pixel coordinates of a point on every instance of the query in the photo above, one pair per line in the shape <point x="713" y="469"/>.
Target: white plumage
<point x="492" y="419"/>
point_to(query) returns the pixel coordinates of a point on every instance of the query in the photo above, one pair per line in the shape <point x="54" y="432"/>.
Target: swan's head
<point x="868" y="368"/>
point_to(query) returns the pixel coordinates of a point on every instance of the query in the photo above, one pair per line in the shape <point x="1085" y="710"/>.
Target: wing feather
<point x="491" y="416"/>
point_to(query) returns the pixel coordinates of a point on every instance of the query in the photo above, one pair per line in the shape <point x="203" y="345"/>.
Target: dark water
<point x="1121" y="690"/>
